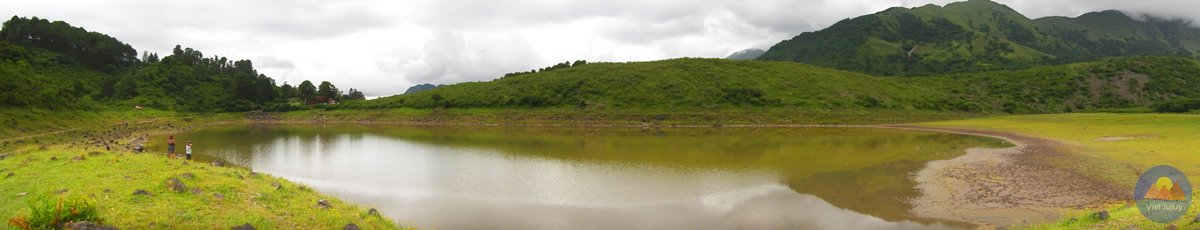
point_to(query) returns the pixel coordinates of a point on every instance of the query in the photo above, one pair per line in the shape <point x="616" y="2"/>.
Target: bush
<point x="47" y="213"/>
<point x="1178" y="106"/>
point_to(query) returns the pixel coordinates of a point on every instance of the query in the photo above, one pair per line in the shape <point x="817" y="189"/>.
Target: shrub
<point x="47" y="213"/>
<point x="1178" y="106"/>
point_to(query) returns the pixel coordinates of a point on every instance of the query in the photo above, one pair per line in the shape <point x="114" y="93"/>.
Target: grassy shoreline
<point x="84" y="156"/>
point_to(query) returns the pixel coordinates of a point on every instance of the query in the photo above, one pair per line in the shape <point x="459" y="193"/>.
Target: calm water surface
<point x="525" y="178"/>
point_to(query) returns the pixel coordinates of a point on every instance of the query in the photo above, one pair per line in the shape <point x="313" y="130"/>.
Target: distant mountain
<point x="421" y="87"/>
<point x="748" y="54"/>
<point x="981" y="35"/>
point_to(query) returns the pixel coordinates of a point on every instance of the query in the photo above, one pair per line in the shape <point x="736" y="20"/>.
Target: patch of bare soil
<point x="1003" y="187"/>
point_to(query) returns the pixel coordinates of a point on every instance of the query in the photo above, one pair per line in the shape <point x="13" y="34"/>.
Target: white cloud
<point x="381" y="47"/>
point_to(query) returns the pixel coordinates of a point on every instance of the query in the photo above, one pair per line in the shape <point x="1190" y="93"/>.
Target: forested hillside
<point x="54" y="65"/>
<point x="981" y="35"/>
<point x="1131" y="83"/>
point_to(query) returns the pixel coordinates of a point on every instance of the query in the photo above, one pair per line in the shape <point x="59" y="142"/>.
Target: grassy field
<point x="1114" y="147"/>
<point x="635" y="117"/>
<point x="48" y="158"/>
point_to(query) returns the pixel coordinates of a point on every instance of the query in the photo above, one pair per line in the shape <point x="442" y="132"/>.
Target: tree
<point x="287" y="91"/>
<point x="328" y="91"/>
<point x="307" y="91"/>
<point x="354" y="95"/>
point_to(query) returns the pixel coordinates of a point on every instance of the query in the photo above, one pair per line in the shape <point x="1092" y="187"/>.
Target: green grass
<point x="632" y="117"/>
<point x="110" y="179"/>
<point x="1113" y="147"/>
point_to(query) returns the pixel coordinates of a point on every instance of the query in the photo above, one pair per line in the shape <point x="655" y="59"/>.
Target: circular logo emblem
<point x="1163" y="194"/>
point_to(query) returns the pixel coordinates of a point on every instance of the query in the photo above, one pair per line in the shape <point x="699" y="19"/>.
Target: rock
<point x="188" y="175"/>
<point x="141" y="192"/>
<point x="324" y="204"/>
<point x="1172" y="227"/>
<point x="373" y="212"/>
<point x="196" y="191"/>
<point x="244" y="227"/>
<point x="60" y="192"/>
<point x="107" y="190"/>
<point x="253" y="174"/>
<point x="22" y="193"/>
<point x="276" y="185"/>
<point x="350" y="227"/>
<point x="78" y="158"/>
<point x="1101" y="215"/>
<point x="175" y="185"/>
<point x="139" y="148"/>
<point x="219" y="196"/>
<point x="53" y="158"/>
<point x="1131" y="227"/>
<point x="10" y="174"/>
<point x="95" y="153"/>
<point x="85" y="225"/>
<point x="5" y="156"/>
<point x="218" y="163"/>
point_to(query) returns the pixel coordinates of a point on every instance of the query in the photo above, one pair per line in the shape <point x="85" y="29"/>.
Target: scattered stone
<point x="175" y="185"/>
<point x="22" y="193"/>
<point x="128" y="178"/>
<point x="53" y="158"/>
<point x="85" y="225"/>
<point x="188" y="175"/>
<point x="196" y="191"/>
<point x="141" y="192"/>
<point x="244" y="227"/>
<point x="139" y="148"/>
<point x="78" y="158"/>
<point x="350" y="227"/>
<point x="107" y="190"/>
<point x="276" y="185"/>
<point x="60" y="192"/>
<point x="219" y="196"/>
<point x="324" y="204"/>
<point x="218" y="163"/>
<point x="1101" y="215"/>
<point x="373" y="212"/>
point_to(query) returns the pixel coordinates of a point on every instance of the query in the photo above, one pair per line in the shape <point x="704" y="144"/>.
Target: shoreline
<point x="1005" y="187"/>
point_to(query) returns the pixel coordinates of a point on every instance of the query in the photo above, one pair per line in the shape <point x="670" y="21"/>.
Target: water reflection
<point x="470" y="178"/>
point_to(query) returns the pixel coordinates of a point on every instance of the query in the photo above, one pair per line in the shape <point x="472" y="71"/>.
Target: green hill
<point x="1131" y="83"/>
<point x="53" y="65"/>
<point x="980" y="35"/>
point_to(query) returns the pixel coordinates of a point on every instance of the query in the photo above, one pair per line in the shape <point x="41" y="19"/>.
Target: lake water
<point x="559" y="178"/>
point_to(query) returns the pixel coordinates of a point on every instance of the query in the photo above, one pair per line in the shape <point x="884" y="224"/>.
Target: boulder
<point x="324" y="204"/>
<point x="244" y="227"/>
<point x="218" y="163"/>
<point x="53" y="158"/>
<point x="175" y="185"/>
<point x="1101" y="215"/>
<point x="276" y="185"/>
<point x="196" y="191"/>
<point x="86" y="225"/>
<point x="373" y="212"/>
<point x="253" y="174"/>
<point x="188" y="175"/>
<point x="141" y="192"/>
<point x="219" y="196"/>
<point x="350" y="227"/>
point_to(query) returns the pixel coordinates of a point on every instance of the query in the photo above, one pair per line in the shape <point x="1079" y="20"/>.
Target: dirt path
<point x="998" y="188"/>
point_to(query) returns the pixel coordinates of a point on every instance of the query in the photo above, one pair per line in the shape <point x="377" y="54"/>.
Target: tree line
<point x="44" y="61"/>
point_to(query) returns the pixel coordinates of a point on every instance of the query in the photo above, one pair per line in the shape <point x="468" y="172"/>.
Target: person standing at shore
<point x="171" y="147"/>
<point x="188" y="150"/>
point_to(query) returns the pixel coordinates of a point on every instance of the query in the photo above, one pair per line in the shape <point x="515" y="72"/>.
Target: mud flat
<point x="1003" y="187"/>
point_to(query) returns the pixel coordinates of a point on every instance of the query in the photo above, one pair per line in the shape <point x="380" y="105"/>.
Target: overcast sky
<point x="382" y="47"/>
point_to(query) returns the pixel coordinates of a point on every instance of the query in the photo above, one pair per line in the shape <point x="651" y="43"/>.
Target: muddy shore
<point x="1004" y="187"/>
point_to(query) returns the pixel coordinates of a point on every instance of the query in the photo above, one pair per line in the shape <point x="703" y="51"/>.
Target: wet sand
<point x="1003" y="187"/>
